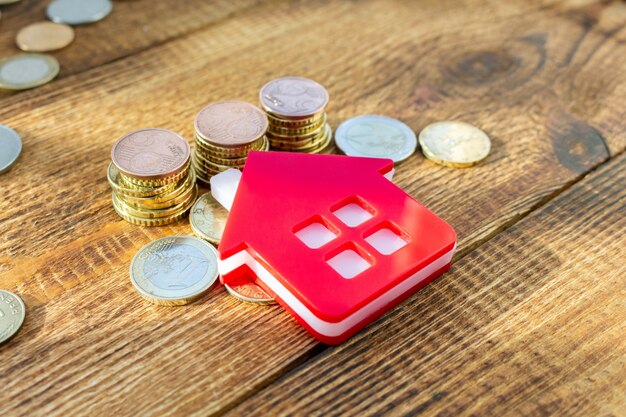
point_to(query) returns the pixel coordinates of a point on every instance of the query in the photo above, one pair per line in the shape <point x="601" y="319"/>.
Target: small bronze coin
<point x="246" y="290"/>
<point x="44" y="36"/>
<point x="231" y="123"/>
<point x="293" y="97"/>
<point x="151" y="154"/>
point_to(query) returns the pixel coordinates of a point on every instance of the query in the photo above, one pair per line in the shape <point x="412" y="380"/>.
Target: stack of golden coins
<point x="225" y="132"/>
<point x="295" y="109"/>
<point x="151" y="176"/>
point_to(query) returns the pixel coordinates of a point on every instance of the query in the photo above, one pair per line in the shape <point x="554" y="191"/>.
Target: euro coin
<point x="208" y="218"/>
<point x="174" y="270"/>
<point x="376" y="137"/>
<point x="231" y="123"/>
<point x="12" y="315"/>
<point x="293" y="98"/>
<point x="24" y="71"/>
<point x="246" y="290"/>
<point x="44" y="37"/>
<point x="151" y="154"/>
<point x="454" y="144"/>
<point x="10" y="148"/>
<point x="78" y="12"/>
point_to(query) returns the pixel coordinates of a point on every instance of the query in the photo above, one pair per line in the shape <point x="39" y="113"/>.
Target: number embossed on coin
<point x="208" y="218"/>
<point x="174" y="270"/>
<point x="293" y="97"/>
<point x="10" y="148"/>
<point x="454" y="144"/>
<point x="231" y="123"/>
<point x="12" y="314"/>
<point x="377" y="137"/>
<point x="248" y="291"/>
<point x="150" y="153"/>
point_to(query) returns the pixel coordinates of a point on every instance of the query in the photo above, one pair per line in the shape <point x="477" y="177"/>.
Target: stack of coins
<point x="151" y="176"/>
<point x="295" y="109"/>
<point x="225" y="132"/>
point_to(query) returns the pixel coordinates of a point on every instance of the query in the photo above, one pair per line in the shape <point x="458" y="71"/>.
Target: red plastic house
<point x="332" y="239"/>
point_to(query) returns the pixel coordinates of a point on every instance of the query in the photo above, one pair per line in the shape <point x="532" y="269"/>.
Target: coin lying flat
<point x="454" y="144"/>
<point x="10" y="148"/>
<point x="151" y="154"/>
<point x="78" y="12"/>
<point x="174" y="270"/>
<point x="24" y="71"/>
<point x="376" y="137"/>
<point x="293" y="97"/>
<point x="44" y="36"/>
<point x="248" y="291"/>
<point x="12" y="315"/>
<point x="231" y="123"/>
<point x="3" y="2"/>
<point x="208" y="218"/>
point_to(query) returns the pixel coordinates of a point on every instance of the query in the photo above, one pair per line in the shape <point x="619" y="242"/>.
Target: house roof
<point x="282" y="192"/>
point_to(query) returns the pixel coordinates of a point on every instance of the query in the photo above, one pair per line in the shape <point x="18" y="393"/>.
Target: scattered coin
<point x="10" y="148"/>
<point x="295" y="109"/>
<point x="174" y="270"/>
<point x="245" y="289"/>
<point x="208" y="218"/>
<point x="454" y="144"/>
<point x="12" y="315"/>
<point x="24" y="71"/>
<point x="78" y="12"/>
<point x="377" y="137"/>
<point x="44" y="36"/>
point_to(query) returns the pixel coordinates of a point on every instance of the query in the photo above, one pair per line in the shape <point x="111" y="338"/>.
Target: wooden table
<point x="531" y="320"/>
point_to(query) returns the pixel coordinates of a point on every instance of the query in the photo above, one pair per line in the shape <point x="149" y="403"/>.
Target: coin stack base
<point x="295" y="110"/>
<point x="151" y="177"/>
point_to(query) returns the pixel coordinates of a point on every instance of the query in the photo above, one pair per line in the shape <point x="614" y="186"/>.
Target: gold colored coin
<point x="162" y="221"/>
<point x="4" y="2"/>
<point x="44" y="37"/>
<point x="12" y="315"/>
<point x="208" y="218"/>
<point x="163" y="200"/>
<point x="174" y="270"/>
<point x="119" y="185"/>
<point x="454" y="144"/>
<point x="145" y="213"/>
<point x="172" y="179"/>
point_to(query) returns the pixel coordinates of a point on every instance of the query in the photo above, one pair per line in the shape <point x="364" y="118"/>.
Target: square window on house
<point x="315" y="235"/>
<point x="352" y="214"/>
<point x="348" y="263"/>
<point x="386" y="241"/>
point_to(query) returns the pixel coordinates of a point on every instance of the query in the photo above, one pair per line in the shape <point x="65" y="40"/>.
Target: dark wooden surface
<point x="531" y="319"/>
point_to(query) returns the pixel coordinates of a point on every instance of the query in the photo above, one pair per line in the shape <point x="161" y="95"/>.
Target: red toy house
<point x="332" y="239"/>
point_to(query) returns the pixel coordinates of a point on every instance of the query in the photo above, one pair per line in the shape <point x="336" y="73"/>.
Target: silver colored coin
<point x="376" y="137"/>
<point x="78" y="12"/>
<point x="208" y="218"/>
<point x="10" y="148"/>
<point x="12" y="315"/>
<point x="24" y="71"/>
<point x="174" y="270"/>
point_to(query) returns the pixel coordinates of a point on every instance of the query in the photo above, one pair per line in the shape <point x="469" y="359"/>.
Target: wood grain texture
<point x="530" y="323"/>
<point x="131" y="27"/>
<point x="528" y="75"/>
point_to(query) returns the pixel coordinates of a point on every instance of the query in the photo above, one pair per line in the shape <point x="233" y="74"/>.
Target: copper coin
<point x="245" y="289"/>
<point x="151" y="154"/>
<point x="293" y="97"/>
<point x="231" y="123"/>
<point x="44" y="36"/>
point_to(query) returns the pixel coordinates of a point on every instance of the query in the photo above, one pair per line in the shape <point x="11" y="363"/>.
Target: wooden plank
<point x="99" y="347"/>
<point x="131" y="27"/>
<point x="531" y="323"/>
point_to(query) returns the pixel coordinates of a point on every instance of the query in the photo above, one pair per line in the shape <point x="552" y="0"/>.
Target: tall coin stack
<point x="225" y="132"/>
<point x="295" y="109"/>
<point x="151" y="176"/>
